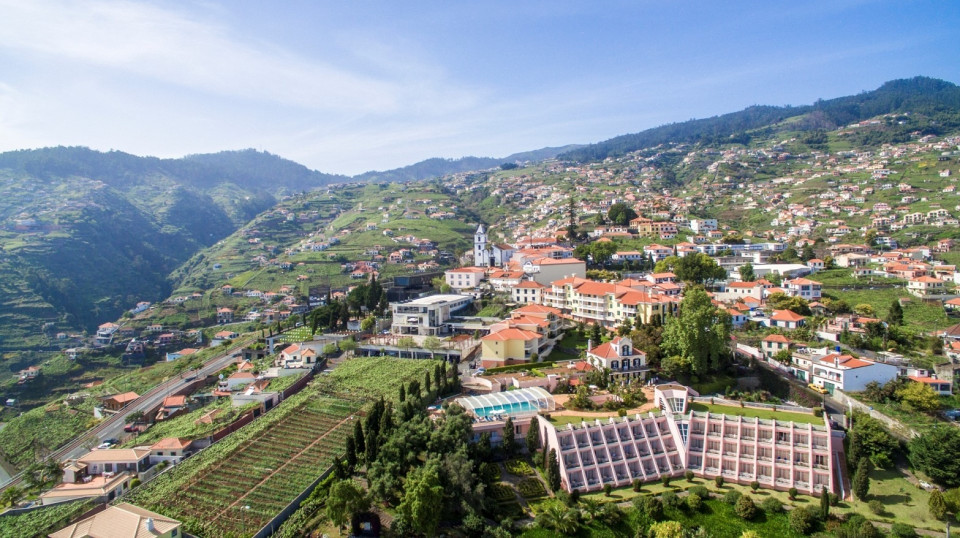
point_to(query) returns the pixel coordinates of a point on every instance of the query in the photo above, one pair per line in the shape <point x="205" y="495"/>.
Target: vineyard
<point x="267" y="463"/>
<point x="265" y="473"/>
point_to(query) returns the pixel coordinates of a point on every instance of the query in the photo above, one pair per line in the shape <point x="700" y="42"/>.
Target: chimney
<point x="150" y="526"/>
<point x="836" y="361"/>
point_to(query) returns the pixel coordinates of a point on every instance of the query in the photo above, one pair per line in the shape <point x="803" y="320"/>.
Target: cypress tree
<point x="358" y="438"/>
<point x="351" y="455"/>
<point x="426" y="382"/>
<point x="553" y="471"/>
<point x="824" y="504"/>
<point x="938" y="507"/>
<point x="533" y="437"/>
<point x="403" y="393"/>
<point x="861" y="479"/>
<point x="509" y="438"/>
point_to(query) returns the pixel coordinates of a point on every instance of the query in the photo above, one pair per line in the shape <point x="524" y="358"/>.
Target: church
<point x="489" y="254"/>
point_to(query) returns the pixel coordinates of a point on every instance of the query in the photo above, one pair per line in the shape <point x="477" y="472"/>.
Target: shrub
<point x="876" y="507"/>
<point x="531" y="488"/>
<point x="637" y="485"/>
<point x="754" y="486"/>
<point x="818" y="412"/>
<point x="834" y="499"/>
<point x="867" y="530"/>
<point x="745" y="508"/>
<point x="574" y="497"/>
<point x="502" y="492"/>
<point x="902" y="530"/>
<point x="801" y="520"/>
<point x="490" y="472"/>
<point x="694" y="502"/>
<point x="665" y="480"/>
<point x="700" y="491"/>
<point x="134" y="483"/>
<point x="718" y="481"/>
<point x="771" y="505"/>
<point x="689" y="476"/>
<point x="607" y="488"/>
<point x="653" y="507"/>
<point x="669" y="499"/>
<point x="792" y="493"/>
<point x="731" y="497"/>
<point x="622" y="413"/>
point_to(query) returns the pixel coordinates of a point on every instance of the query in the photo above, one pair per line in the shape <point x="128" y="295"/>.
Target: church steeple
<point x="481" y="257"/>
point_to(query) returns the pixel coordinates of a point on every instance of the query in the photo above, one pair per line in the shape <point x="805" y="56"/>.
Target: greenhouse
<point x="512" y="403"/>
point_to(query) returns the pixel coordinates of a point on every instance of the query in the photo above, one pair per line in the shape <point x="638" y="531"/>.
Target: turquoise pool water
<point x="506" y="409"/>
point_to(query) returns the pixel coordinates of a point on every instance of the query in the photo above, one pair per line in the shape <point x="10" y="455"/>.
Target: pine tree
<point x="938" y="507"/>
<point x="861" y="479"/>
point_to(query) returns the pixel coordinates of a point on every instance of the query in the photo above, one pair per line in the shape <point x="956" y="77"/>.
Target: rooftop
<point x="750" y="412"/>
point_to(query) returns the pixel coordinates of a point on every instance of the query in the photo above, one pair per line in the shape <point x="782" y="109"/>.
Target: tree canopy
<point x="700" y="334"/>
<point x="694" y="268"/>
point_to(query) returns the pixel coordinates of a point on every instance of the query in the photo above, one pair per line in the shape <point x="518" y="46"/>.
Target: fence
<point x="896" y="427"/>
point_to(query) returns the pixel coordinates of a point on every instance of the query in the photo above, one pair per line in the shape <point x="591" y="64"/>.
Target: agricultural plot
<point x="248" y="486"/>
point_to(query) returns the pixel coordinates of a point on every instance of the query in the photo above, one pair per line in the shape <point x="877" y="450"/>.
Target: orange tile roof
<point x="511" y="334"/>
<point x="785" y="315"/>
<point x="776" y="338"/>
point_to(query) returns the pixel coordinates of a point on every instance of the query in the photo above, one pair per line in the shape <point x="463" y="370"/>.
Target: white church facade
<point x="487" y="254"/>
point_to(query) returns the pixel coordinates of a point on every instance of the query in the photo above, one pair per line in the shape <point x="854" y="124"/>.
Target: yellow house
<point x="509" y="346"/>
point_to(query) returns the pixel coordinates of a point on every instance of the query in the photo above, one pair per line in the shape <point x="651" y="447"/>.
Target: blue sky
<point x="346" y="87"/>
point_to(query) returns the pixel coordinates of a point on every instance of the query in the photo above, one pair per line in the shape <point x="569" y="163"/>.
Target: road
<point x="112" y="426"/>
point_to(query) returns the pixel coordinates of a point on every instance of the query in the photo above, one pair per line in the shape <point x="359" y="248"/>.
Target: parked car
<point x="817" y="388"/>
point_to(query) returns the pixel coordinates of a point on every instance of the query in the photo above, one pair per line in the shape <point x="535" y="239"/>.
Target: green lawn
<point x="757" y="413"/>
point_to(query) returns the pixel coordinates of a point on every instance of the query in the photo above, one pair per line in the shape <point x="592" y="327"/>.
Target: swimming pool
<point x="506" y="409"/>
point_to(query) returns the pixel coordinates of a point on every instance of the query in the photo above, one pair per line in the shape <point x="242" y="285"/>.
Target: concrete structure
<point x="427" y="316"/>
<point x="616" y="451"/>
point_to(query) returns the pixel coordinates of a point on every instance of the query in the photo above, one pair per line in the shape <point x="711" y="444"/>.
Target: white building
<point x="464" y="278"/>
<point x="703" y="225"/>
<point x="427" y="316"/>
<point x="836" y="371"/>
<point x="619" y="356"/>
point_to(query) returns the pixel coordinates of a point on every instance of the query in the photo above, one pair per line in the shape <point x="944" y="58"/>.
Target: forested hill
<point x="86" y="234"/>
<point x="436" y="167"/>
<point x="936" y="99"/>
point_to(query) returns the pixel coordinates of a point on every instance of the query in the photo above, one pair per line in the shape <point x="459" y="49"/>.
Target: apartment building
<point x="427" y="316"/>
<point x="464" y="278"/>
<point x="606" y="303"/>
<point x="778" y="454"/>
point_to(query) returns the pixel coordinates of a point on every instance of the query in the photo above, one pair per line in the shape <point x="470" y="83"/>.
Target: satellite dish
<point x="220" y="376"/>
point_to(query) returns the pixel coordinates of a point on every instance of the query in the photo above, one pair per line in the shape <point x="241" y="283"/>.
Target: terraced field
<point x="248" y="486"/>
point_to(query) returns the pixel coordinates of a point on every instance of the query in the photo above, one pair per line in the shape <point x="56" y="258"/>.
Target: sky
<point x="347" y="87"/>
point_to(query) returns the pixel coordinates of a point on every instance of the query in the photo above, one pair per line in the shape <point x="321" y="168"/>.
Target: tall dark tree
<point x="426" y="382"/>
<point x="746" y="273"/>
<point x="861" y="479"/>
<point x="937" y="454"/>
<point x="895" y="314"/>
<point x="509" y="438"/>
<point x="553" y="471"/>
<point x="403" y="393"/>
<point x="533" y="438"/>
<point x="824" y="504"/>
<point x="572" y="219"/>
<point x="621" y="213"/>
<point x="351" y="453"/>
<point x="358" y="438"/>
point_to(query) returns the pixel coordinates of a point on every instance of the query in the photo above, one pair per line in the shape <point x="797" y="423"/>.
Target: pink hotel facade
<point x="777" y="454"/>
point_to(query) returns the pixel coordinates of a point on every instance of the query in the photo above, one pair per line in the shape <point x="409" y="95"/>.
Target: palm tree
<point x="560" y="518"/>
<point x="590" y="508"/>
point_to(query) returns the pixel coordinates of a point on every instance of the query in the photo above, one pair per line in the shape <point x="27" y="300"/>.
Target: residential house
<point x="171" y="406"/>
<point x="942" y="387"/>
<point x="170" y="449"/>
<point x="773" y="344"/>
<point x="119" y="401"/>
<point x="297" y="356"/>
<point x="849" y="374"/>
<point x="803" y="288"/>
<point x="509" y="346"/>
<point x="786" y="319"/>
<point x="464" y="278"/>
<point x="224" y="315"/>
<point x="528" y="292"/>
<point x="925" y="285"/>
<point x="624" y="362"/>
<point x="123" y="520"/>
